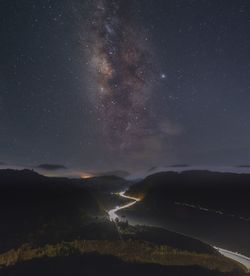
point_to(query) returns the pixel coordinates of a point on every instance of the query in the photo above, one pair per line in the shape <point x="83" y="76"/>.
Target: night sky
<point x="124" y="84"/>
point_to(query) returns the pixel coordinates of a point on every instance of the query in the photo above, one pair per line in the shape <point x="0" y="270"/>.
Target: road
<point x="112" y="213"/>
<point x="235" y="256"/>
<point x="229" y="254"/>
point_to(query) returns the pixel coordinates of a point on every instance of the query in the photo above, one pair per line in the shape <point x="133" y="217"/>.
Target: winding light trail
<point x="112" y="213"/>
<point x="229" y="254"/>
<point x="235" y="256"/>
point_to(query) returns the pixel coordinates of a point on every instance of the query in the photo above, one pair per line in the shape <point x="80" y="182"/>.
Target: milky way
<point x="121" y="63"/>
<point x="124" y="84"/>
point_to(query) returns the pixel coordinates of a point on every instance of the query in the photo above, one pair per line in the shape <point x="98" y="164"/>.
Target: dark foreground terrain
<point x="94" y="264"/>
<point x="59" y="226"/>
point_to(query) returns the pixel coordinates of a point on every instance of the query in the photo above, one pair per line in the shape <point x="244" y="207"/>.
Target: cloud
<point x="51" y="167"/>
<point x="180" y="166"/>
<point x="119" y="173"/>
<point x="170" y="129"/>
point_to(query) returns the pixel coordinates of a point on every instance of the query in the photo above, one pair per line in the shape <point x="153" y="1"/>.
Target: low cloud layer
<point x="51" y="167"/>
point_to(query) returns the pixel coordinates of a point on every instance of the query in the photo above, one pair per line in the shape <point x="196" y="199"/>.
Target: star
<point x="163" y="76"/>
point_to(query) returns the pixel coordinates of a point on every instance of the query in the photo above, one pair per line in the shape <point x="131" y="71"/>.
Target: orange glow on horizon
<point x="86" y="175"/>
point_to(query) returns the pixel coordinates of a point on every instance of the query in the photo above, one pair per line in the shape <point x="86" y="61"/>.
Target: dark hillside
<point x="212" y="207"/>
<point x="226" y="192"/>
<point x="31" y="204"/>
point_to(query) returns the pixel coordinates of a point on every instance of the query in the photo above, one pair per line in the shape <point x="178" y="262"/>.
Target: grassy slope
<point x="94" y="264"/>
<point x="129" y="251"/>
